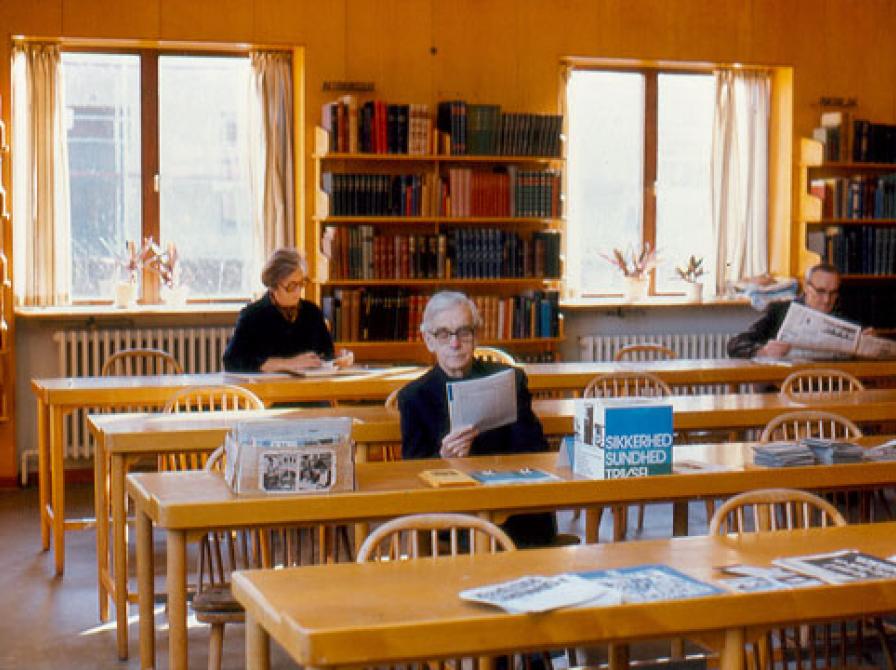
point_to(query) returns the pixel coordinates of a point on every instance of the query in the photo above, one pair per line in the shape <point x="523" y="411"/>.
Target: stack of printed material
<point x="828" y="452"/>
<point x="882" y="452"/>
<point x="782" y="455"/>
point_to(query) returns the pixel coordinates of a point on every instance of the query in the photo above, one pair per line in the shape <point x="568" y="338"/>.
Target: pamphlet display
<point x="622" y="437"/>
<point x="290" y="456"/>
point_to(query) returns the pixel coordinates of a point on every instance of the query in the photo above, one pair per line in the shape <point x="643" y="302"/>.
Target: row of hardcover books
<point x="360" y="252"/>
<point x="858" y="140"/>
<point x="506" y="192"/>
<point x="361" y="315"/>
<point x="867" y="250"/>
<point x="380" y="127"/>
<point x="857" y="197"/>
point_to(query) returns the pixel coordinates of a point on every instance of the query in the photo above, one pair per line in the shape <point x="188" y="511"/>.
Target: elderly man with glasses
<point x="821" y="290"/>
<point x="281" y="332"/>
<point x="449" y="328"/>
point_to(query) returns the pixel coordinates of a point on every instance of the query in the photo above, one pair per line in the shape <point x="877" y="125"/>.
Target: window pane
<point x="606" y="174"/>
<point x="204" y="180"/>
<point x="684" y="145"/>
<point x="102" y="112"/>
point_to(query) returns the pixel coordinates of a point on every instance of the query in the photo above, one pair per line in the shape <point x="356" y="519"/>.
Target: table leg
<point x="177" y="599"/>
<point x="732" y="654"/>
<point x="119" y="553"/>
<point x="145" y="590"/>
<point x="57" y="475"/>
<point x="100" y="510"/>
<point x="618" y="656"/>
<point x="258" y="647"/>
<point x="43" y="472"/>
<point x="680" y="518"/>
<point x="592" y="524"/>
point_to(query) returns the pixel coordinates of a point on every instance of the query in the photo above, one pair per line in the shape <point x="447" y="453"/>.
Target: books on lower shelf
<point x="856" y="249"/>
<point x="840" y="567"/>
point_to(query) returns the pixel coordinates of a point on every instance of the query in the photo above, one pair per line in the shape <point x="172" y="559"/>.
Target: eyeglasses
<point x="823" y="292"/>
<point x="294" y="286"/>
<point x="463" y="334"/>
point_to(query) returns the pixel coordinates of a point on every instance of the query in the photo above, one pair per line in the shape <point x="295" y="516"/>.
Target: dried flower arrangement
<point x="634" y="264"/>
<point x="691" y="272"/>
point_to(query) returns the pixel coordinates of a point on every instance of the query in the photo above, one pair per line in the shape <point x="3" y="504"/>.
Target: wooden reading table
<point x="182" y="502"/>
<point x="406" y="611"/>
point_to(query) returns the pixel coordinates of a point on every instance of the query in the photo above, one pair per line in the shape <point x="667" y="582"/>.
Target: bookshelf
<point x="6" y="302"/>
<point x="846" y="215"/>
<point x="508" y="262"/>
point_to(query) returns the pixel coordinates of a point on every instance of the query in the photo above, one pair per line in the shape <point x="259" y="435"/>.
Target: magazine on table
<point x="646" y="583"/>
<point x="486" y="402"/>
<point x="748" y="578"/>
<point x="518" y="476"/>
<point x="840" y="567"/>
<point x="537" y="593"/>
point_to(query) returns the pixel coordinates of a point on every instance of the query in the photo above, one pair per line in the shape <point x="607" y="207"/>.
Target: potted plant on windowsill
<point x="691" y="274"/>
<point x="635" y="267"/>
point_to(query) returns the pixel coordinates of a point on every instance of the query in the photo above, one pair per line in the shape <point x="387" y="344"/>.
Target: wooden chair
<point x="645" y="351"/>
<point x="204" y="399"/>
<point x="139" y="362"/>
<point x="793" y="426"/>
<point x="391" y="451"/>
<point x="626" y="385"/>
<point x="813" y="646"/>
<point x="494" y="355"/>
<point x="820" y="384"/>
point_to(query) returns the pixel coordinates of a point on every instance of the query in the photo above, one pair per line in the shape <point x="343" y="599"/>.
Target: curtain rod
<point x="166" y="45"/>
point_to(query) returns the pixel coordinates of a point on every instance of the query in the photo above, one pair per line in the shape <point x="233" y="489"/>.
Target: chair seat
<point x="216" y="599"/>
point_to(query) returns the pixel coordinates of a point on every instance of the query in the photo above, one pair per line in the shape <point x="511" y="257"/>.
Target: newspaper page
<point x="536" y="593"/>
<point x="876" y="347"/>
<point x="840" y="567"/>
<point x="486" y="403"/>
<point x="807" y="328"/>
<point x="755" y="578"/>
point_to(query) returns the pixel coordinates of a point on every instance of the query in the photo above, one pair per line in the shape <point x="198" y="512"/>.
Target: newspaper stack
<point x="290" y="456"/>
<point x="782" y="455"/>
<point x="883" y="452"/>
<point x="828" y="452"/>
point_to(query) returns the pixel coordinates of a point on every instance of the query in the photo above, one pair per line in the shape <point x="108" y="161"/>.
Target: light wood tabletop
<point x="409" y="610"/>
<point x="186" y="501"/>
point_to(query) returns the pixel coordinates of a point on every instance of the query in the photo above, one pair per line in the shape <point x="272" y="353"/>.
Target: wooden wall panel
<point x="213" y="20"/>
<point x="110" y="19"/>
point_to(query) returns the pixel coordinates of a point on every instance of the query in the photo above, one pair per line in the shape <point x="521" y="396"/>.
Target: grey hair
<point x="282" y="263"/>
<point x="444" y="300"/>
<point x="821" y="267"/>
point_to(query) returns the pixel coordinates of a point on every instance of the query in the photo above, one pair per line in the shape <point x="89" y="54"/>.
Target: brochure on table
<point x="486" y="402"/>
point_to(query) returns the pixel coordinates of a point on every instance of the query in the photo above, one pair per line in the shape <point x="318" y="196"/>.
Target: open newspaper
<point x="486" y="402"/>
<point x="808" y="329"/>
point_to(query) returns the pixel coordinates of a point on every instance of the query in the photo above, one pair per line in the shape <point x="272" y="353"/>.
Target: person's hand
<point x="303" y="361"/>
<point x="869" y="332"/>
<point x="344" y="358"/>
<point x="774" y="349"/>
<point x="458" y="443"/>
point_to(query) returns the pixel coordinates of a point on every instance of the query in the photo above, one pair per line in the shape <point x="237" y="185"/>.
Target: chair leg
<point x="710" y="504"/>
<point x="641" y="508"/>
<point x="215" y="646"/>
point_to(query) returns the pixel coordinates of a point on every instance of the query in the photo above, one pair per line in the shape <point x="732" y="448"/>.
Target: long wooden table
<point x="406" y="611"/>
<point x="58" y="397"/>
<point x="183" y="502"/>
<point x="122" y="437"/>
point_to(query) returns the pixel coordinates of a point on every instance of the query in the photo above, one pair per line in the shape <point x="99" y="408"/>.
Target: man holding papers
<point x="432" y="426"/>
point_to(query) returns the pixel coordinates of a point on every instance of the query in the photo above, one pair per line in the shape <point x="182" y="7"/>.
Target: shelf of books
<point x="408" y="203"/>
<point x="847" y="214"/>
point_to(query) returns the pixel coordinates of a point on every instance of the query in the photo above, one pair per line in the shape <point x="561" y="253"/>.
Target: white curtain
<point x="272" y="152"/>
<point x="41" y="213"/>
<point x="739" y="175"/>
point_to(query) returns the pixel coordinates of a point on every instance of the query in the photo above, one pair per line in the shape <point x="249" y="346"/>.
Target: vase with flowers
<point x="691" y="274"/>
<point x="635" y="266"/>
<point x="129" y="265"/>
<point x="165" y="265"/>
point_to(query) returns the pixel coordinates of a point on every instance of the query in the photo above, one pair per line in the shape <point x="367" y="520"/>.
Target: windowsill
<point x="197" y="309"/>
<point x="618" y="302"/>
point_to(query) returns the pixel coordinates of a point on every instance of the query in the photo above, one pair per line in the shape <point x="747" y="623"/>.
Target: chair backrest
<point x="646" y="351"/>
<point x="773" y="509"/>
<point x="127" y="362"/>
<point x="422" y="535"/>
<point x="391" y="403"/>
<point x="626" y="384"/>
<point x="793" y="426"/>
<point x="494" y="354"/>
<point x="204" y="399"/>
<point x="820" y="384"/>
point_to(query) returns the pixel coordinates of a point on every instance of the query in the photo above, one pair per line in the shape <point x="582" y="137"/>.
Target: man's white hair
<point x="444" y="300"/>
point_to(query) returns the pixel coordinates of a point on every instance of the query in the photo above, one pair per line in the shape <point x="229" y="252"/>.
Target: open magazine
<point x="807" y="328"/>
<point x="840" y="567"/>
<point x="537" y="593"/>
<point x="486" y="402"/>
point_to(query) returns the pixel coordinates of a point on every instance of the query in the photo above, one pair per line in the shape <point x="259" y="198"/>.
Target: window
<point x="638" y="172"/>
<point x="191" y="129"/>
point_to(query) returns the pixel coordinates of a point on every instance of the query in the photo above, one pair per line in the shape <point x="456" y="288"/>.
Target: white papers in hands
<point x="486" y="403"/>
<point x="808" y="328"/>
<point x="537" y="593"/>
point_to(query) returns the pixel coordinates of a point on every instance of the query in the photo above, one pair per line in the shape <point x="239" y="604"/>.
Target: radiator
<point x="686" y="345"/>
<point x="81" y="353"/>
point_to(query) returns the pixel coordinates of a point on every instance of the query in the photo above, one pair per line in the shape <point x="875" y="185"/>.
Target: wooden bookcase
<point x="7" y="380"/>
<point x="429" y="167"/>
<point x="872" y="290"/>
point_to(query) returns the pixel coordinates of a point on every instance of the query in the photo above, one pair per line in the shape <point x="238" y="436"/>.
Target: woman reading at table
<point x="282" y="332"/>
